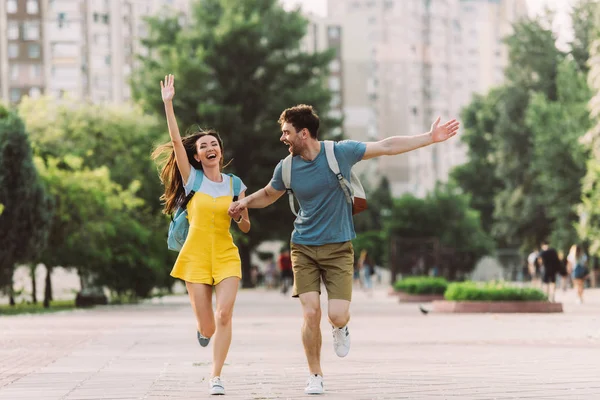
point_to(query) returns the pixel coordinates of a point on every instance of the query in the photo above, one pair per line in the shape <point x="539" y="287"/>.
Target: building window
<point x="107" y="60"/>
<point x="31" y="30"/>
<point x="35" y="92"/>
<point x="34" y="50"/>
<point x="13" y="50"/>
<point x="333" y="32"/>
<point x="61" y="19"/>
<point x="15" y="95"/>
<point x="334" y="66"/>
<point x="334" y="84"/>
<point x="13" y="30"/>
<point x="14" y="72"/>
<point x="11" y="6"/>
<point x="336" y="100"/>
<point x="33" y="7"/>
<point x="35" y="71"/>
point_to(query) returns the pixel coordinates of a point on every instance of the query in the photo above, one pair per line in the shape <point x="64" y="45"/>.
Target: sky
<point x="535" y="6"/>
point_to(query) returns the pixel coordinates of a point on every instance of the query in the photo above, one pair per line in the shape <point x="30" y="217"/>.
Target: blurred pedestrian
<point x="551" y="265"/>
<point x="577" y="259"/>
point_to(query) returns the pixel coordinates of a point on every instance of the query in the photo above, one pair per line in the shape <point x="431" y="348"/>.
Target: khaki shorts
<point x="333" y="262"/>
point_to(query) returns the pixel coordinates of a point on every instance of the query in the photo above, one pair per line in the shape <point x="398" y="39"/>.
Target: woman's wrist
<point x="237" y="221"/>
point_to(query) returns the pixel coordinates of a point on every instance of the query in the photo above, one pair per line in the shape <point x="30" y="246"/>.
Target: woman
<point x="208" y="257"/>
<point x="577" y="261"/>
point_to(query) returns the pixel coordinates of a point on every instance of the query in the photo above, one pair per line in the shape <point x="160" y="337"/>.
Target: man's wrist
<point x="237" y="221"/>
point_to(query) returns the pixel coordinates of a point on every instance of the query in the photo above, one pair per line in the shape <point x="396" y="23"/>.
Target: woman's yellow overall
<point x="208" y="254"/>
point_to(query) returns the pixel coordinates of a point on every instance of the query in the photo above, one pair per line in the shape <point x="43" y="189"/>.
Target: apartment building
<point x="83" y="48"/>
<point x="21" y="48"/>
<point x="414" y="60"/>
<point x="348" y="79"/>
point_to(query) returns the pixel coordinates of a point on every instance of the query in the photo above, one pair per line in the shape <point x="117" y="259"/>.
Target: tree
<point x="238" y="64"/>
<point x="559" y="161"/>
<point x="96" y="229"/>
<point x="478" y="176"/>
<point x="582" y="21"/>
<point x="589" y="213"/>
<point x="120" y="140"/>
<point x="444" y="215"/>
<point x="24" y="222"/>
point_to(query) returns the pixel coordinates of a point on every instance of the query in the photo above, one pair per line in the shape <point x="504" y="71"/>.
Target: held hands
<point x="235" y="209"/>
<point x="168" y="88"/>
<point x="439" y="133"/>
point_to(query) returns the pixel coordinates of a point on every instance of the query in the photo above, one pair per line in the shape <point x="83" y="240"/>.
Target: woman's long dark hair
<point x="164" y="156"/>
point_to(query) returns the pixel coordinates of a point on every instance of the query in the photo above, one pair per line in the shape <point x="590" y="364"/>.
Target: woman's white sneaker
<point x="341" y="341"/>
<point x="314" y="385"/>
<point x="216" y="386"/>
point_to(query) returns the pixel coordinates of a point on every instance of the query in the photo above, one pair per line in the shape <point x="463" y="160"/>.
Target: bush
<point x="421" y="285"/>
<point x="470" y="291"/>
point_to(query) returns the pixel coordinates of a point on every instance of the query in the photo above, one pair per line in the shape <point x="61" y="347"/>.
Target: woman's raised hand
<point x="167" y="88"/>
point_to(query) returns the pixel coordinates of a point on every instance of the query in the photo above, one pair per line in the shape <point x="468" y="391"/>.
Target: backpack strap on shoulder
<point x="335" y="168"/>
<point x="198" y="177"/>
<point x="286" y="176"/>
<point x="197" y="180"/>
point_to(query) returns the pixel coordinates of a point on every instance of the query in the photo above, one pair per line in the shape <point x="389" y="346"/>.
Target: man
<point x="551" y="266"/>
<point x="321" y="245"/>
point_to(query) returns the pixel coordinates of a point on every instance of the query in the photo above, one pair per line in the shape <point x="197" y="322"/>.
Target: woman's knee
<point x="223" y="316"/>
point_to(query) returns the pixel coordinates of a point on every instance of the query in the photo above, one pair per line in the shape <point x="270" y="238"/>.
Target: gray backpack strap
<point x="333" y="166"/>
<point x="286" y="176"/>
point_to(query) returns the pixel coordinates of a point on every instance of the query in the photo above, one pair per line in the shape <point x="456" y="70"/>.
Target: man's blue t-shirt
<point x="325" y="216"/>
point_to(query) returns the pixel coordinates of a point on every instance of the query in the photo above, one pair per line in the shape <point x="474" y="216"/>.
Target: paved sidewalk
<point x="150" y="351"/>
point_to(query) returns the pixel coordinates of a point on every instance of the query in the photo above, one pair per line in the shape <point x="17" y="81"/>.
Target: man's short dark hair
<point x="301" y="116"/>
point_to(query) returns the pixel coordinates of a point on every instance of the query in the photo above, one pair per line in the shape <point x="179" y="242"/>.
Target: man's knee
<point x="312" y="315"/>
<point x="339" y="319"/>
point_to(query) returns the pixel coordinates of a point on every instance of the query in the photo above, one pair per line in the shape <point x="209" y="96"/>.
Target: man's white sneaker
<point x="216" y="386"/>
<point x="341" y="341"/>
<point x="314" y="385"/>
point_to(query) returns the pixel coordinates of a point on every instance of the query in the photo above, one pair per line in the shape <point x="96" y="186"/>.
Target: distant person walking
<point x="577" y="261"/>
<point x="285" y="270"/>
<point x="551" y="266"/>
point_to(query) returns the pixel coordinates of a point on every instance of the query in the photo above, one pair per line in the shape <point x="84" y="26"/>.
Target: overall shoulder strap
<point x="237" y="186"/>
<point x="335" y="168"/>
<point x="286" y="176"/>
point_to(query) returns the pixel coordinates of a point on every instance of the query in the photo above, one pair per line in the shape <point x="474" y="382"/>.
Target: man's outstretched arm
<point x="259" y="199"/>
<point x="401" y="144"/>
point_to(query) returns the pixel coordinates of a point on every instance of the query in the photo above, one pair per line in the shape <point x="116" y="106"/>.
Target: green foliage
<point x="478" y="177"/>
<point x="525" y="160"/>
<point x="582" y="20"/>
<point x="96" y="228"/>
<point x="26" y="216"/>
<point x="28" y="308"/>
<point x="559" y="161"/>
<point x="375" y="243"/>
<point x="97" y="160"/>
<point x="589" y="212"/>
<point x="380" y="206"/>
<point x="421" y="285"/>
<point x="444" y="214"/>
<point x="237" y="65"/>
<point x="471" y="291"/>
